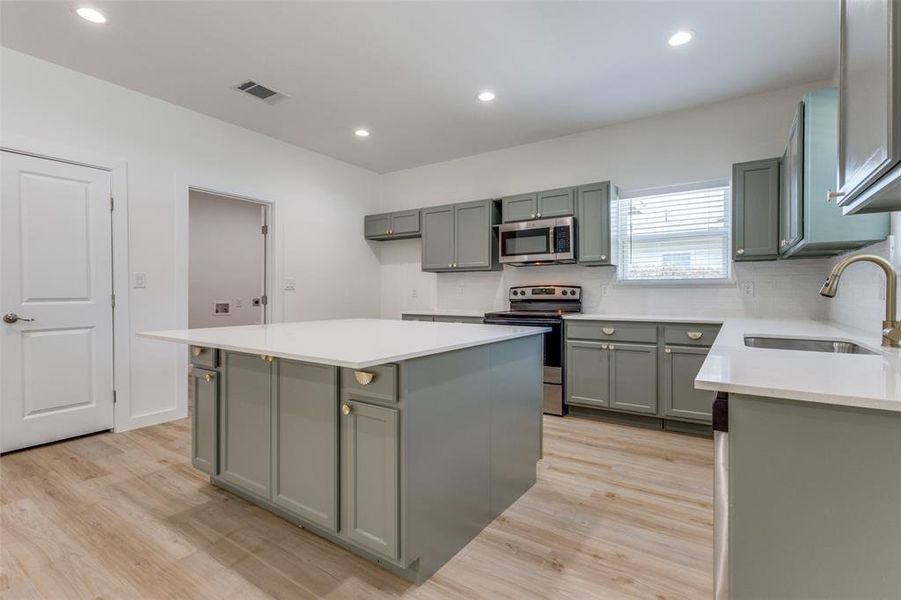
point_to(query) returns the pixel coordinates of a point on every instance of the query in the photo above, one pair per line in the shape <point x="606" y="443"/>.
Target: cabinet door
<point x="755" y="212"/>
<point x="405" y="223"/>
<point x="593" y="223"/>
<point x="370" y="459"/>
<point x="792" y="183"/>
<point x="205" y="420"/>
<point x="869" y="93"/>
<point x="521" y="207"/>
<point x="633" y="377"/>
<point x="245" y="427"/>
<point x="587" y="374"/>
<point x="680" y="398"/>
<point x="376" y="226"/>
<point x="555" y="203"/>
<point x="305" y="441"/>
<point x="438" y="238"/>
<point x="472" y="227"/>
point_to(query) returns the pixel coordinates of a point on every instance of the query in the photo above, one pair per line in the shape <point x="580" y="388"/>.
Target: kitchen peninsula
<point x="398" y="440"/>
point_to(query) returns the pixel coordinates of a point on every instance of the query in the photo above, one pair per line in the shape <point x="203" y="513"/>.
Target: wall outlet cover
<point x="140" y="280"/>
<point x="747" y="288"/>
<point x="290" y="284"/>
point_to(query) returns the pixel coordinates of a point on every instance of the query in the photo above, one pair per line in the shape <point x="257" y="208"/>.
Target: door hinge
<point x="113" y="300"/>
<point x="264" y="300"/>
<point x="114" y="397"/>
<point x="111" y="203"/>
<point x="265" y="229"/>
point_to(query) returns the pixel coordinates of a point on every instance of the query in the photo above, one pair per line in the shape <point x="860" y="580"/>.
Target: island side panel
<point x="815" y="508"/>
<point x="517" y="391"/>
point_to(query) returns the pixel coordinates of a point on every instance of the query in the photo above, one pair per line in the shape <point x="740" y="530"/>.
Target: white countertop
<point x="353" y="343"/>
<point x="704" y="320"/>
<point x="446" y="312"/>
<point x="856" y="380"/>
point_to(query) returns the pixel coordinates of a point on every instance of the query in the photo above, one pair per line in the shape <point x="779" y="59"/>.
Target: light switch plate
<point x="140" y="280"/>
<point x="747" y="288"/>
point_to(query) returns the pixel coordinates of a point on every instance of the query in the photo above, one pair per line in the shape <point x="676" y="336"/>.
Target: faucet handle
<point x="891" y="333"/>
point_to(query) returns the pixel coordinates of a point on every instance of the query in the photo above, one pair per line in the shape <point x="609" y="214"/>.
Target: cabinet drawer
<point x="382" y="387"/>
<point x="207" y="358"/>
<point x="613" y="331"/>
<point x="690" y="335"/>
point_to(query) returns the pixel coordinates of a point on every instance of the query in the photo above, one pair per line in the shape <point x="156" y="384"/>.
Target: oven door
<point x="532" y="241"/>
<point x="553" y="359"/>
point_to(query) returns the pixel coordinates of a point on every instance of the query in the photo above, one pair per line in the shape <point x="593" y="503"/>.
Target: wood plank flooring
<point x="618" y="512"/>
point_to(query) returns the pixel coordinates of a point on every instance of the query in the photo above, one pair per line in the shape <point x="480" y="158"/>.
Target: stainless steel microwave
<point x="542" y="241"/>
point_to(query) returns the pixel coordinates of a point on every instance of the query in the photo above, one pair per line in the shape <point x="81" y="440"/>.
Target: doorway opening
<point x="228" y="258"/>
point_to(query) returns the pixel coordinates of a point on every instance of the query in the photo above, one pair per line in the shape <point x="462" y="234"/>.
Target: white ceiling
<point x="409" y="71"/>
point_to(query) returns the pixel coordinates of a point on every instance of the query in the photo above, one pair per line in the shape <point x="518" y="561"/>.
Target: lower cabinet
<point x="204" y="422"/>
<point x="305" y="441"/>
<point x="246" y="421"/>
<point x="633" y="381"/>
<point x="587" y="374"/>
<point x="680" y="398"/>
<point x="370" y="477"/>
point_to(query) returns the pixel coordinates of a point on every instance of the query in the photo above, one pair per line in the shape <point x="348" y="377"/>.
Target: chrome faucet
<point x="891" y="327"/>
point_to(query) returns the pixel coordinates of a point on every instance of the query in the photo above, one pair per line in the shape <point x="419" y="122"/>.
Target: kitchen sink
<point x="807" y="345"/>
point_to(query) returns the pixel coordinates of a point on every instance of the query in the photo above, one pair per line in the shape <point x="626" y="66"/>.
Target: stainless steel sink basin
<point x="806" y="345"/>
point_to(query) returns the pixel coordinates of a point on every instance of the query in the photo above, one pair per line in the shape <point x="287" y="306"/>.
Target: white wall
<point x="319" y="205"/>
<point x="226" y="260"/>
<point x="693" y="145"/>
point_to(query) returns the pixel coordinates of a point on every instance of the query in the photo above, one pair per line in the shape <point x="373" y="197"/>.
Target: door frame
<point x="118" y="169"/>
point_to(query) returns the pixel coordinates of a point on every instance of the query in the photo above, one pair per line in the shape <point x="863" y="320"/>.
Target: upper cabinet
<point x="791" y="185"/>
<point x="594" y="236"/>
<point x="869" y="174"/>
<point x="755" y="209"/>
<point x="548" y="204"/>
<point x="392" y="226"/>
<point x="460" y="237"/>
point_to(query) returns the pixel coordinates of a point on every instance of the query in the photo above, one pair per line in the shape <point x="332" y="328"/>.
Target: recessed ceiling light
<point x="91" y="14"/>
<point x="361" y="133"/>
<point x="680" y="38"/>
<point x="485" y="96"/>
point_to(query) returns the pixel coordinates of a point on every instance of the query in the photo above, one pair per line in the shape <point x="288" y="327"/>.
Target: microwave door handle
<point x="551" y="244"/>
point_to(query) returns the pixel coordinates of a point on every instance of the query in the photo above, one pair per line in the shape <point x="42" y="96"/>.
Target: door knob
<point x="345" y="409"/>
<point x="13" y="317"/>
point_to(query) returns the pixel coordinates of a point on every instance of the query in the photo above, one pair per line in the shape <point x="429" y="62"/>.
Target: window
<point x="678" y="235"/>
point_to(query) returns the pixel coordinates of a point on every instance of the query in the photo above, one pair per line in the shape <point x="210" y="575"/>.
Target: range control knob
<point x="572" y="292"/>
<point x="564" y="292"/>
<point x="515" y="293"/>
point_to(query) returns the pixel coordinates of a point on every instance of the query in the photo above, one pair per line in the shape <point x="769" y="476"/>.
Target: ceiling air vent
<point x="260" y="92"/>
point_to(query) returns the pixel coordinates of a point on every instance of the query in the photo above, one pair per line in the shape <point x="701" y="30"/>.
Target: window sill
<point x="725" y="282"/>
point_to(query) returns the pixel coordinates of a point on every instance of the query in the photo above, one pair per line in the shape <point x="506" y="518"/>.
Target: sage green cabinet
<point x="755" y="209"/>
<point x="370" y="477"/>
<point x="633" y="380"/>
<point x="305" y="441"/>
<point x="587" y="374"/>
<point x="548" y="204"/>
<point x="392" y="226"/>
<point x="594" y="237"/>
<point x="869" y="173"/>
<point x="245" y="422"/>
<point x="823" y="228"/>
<point x="443" y="318"/>
<point x="460" y="237"/>
<point x="792" y="180"/>
<point x="205" y="420"/>
<point x="680" y="398"/>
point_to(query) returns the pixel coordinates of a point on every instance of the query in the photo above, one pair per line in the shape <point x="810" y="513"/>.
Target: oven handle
<point x="520" y="322"/>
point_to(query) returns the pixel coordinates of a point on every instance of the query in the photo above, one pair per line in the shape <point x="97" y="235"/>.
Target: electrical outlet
<point x="290" y="284"/>
<point x="605" y="290"/>
<point x="414" y="293"/>
<point x="460" y="290"/>
<point x="747" y="288"/>
<point x="239" y="303"/>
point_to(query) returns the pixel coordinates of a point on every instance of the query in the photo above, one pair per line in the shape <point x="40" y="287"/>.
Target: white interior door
<point x="56" y="360"/>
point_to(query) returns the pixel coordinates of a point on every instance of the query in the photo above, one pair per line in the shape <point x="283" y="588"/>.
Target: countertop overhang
<point x="352" y="343"/>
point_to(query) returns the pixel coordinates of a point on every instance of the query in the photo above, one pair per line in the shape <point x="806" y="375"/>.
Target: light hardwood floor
<point x="617" y="512"/>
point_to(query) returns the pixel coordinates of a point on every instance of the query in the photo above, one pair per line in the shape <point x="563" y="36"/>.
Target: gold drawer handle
<point x="345" y="409"/>
<point x="266" y="358"/>
<point x="363" y="377"/>
<point x="208" y="377"/>
<point x="668" y="350"/>
<point x="694" y="335"/>
<point x="197" y="350"/>
<point x="608" y="330"/>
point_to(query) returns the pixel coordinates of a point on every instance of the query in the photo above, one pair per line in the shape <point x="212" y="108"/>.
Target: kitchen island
<point x="398" y="440"/>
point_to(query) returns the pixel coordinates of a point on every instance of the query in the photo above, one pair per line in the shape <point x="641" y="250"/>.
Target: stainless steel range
<point x="544" y="306"/>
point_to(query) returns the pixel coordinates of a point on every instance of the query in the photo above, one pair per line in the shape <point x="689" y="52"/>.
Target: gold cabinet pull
<point x="538" y="215"/>
<point x="694" y="335"/>
<point x="740" y="251"/>
<point x="363" y="377"/>
<point x="612" y="347"/>
<point x="608" y="330"/>
<point x="603" y="257"/>
<point x="668" y="350"/>
<point x="266" y="358"/>
<point x="345" y="409"/>
<point x="196" y="350"/>
<point x="604" y="346"/>
<point x="208" y="377"/>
